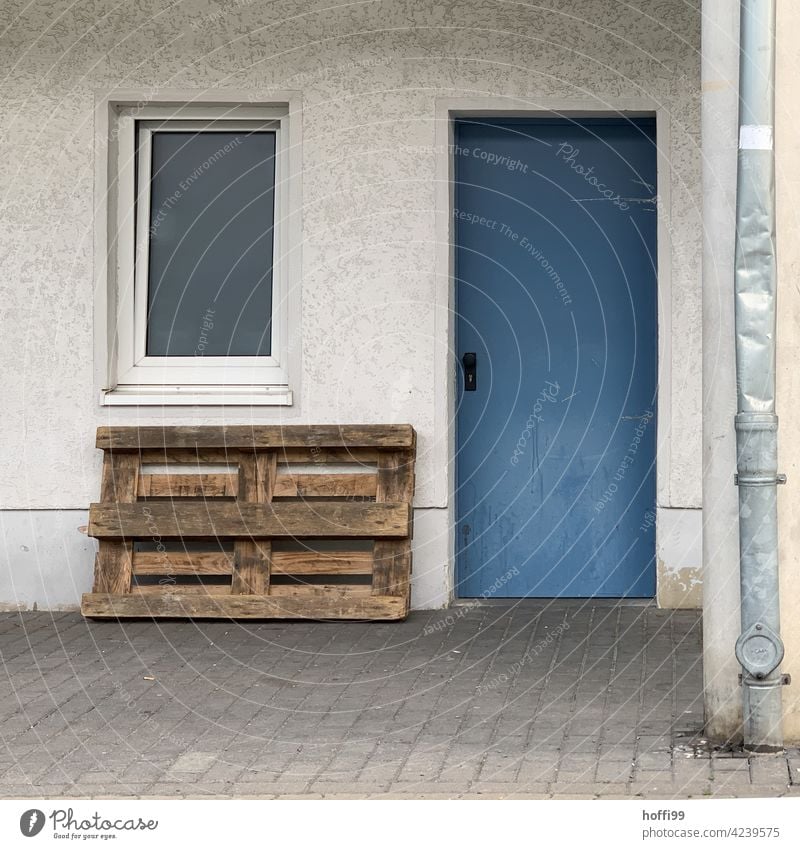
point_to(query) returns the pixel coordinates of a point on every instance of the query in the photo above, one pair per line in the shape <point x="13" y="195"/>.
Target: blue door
<point x="555" y="224"/>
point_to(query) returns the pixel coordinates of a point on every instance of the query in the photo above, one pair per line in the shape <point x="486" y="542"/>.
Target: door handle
<point x="470" y="363"/>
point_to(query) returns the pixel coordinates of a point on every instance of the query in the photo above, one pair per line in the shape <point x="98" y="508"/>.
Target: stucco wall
<point x="370" y="75"/>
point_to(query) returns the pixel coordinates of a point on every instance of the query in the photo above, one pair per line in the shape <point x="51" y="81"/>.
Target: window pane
<point x="211" y="243"/>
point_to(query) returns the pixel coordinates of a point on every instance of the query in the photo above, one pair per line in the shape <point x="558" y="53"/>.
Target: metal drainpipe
<point x="759" y="649"/>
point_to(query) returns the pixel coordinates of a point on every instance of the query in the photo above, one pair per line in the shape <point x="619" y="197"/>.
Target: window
<point x="201" y="259"/>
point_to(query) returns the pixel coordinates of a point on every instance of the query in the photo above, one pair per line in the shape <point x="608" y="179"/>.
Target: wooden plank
<point x="315" y="456"/>
<point x="251" y="562"/>
<point x="173" y="520"/>
<point x="325" y="486"/>
<point x="160" y="589"/>
<point x="119" y="478"/>
<point x="189" y="457"/>
<point x="182" y="563"/>
<point x="197" y="605"/>
<point x="332" y="592"/>
<point x="113" y="565"/>
<point x="321" y="563"/>
<point x="391" y="574"/>
<point x="283" y="563"/>
<point x="250" y="437"/>
<point x="392" y="570"/>
<point x="188" y="486"/>
<point x="322" y="456"/>
<point x="396" y="476"/>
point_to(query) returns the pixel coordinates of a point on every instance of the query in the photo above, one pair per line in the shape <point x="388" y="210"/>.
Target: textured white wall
<point x="369" y="74"/>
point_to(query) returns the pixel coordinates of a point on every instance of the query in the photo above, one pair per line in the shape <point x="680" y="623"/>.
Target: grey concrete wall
<point x="720" y="497"/>
<point x="46" y="561"/>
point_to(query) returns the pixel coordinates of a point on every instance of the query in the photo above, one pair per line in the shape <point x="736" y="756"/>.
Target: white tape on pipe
<point x="755" y="137"/>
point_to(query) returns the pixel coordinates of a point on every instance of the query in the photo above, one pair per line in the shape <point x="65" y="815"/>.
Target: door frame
<point x="447" y="111"/>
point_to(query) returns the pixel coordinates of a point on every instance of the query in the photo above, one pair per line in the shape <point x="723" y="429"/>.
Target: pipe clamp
<point x="786" y="679"/>
<point x="758" y="480"/>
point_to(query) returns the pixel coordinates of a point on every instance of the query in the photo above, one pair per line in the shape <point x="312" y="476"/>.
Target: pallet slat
<point x="298" y="590"/>
<point x="392" y="574"/>
<point x="330" y="486"/>
<point x="182" y="563"/>
<point x="283" y="563"/>
<point x="196" y="458"/>
<point x="174" y="520"/>
<point x="312" y="563"/>
<point x="151" y="590"/>
<point x="247" y="437"/>
<point x="251" y="559"/>
<point x="321" y="591"/>
<point x="188" y="486"/>
<point x="320" y="456"/>
<point x="113" y="565"/>
<point x="206" y="606"/>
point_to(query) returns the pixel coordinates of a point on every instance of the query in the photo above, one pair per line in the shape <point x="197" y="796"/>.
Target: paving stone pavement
<point x="525" y="699"/>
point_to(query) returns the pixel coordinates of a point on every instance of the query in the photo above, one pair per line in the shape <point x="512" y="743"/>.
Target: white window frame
<point x="134" y="377"/>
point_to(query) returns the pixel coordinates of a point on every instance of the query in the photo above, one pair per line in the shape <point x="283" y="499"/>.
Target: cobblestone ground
<point x="562" y="699"/>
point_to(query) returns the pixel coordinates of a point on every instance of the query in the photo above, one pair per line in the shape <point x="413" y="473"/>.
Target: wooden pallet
<point x="254" y="522"/>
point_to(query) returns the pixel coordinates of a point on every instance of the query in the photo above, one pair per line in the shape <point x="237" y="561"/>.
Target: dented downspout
<point x="759" y="649"/>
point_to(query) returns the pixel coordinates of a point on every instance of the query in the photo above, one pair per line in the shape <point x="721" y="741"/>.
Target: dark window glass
<point x="212" y="213"/>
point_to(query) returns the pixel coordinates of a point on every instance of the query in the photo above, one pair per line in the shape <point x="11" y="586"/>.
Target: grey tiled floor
<point x="532" y="699"/>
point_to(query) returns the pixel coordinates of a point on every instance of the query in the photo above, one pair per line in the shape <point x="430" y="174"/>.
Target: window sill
<point x="197" y="396"/>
